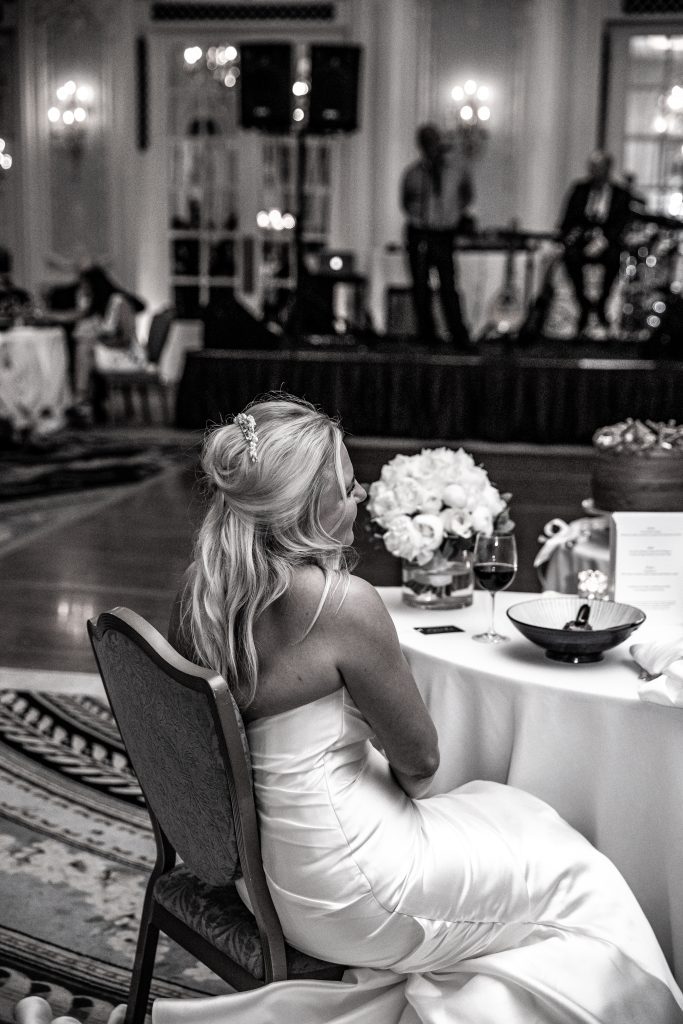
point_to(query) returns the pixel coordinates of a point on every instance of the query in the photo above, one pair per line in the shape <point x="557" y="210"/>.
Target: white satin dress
<point x="478" y="906"/>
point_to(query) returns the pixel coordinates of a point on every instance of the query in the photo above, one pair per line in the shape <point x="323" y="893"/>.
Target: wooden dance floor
<point x="400" y="391"/>
<point x="133" y="550"/>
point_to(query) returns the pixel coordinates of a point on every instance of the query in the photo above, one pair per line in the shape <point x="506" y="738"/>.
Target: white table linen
<point x="578" y="737"/>
<point x="184" y="336"/>
<point x="34" y="377"/>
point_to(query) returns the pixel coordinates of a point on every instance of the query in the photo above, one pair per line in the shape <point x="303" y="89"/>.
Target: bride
<point x="476" y="906"/>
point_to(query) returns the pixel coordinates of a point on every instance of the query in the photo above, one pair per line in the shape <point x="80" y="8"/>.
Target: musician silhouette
<point x="596" y="211"/>
<point x="435" y="193"/>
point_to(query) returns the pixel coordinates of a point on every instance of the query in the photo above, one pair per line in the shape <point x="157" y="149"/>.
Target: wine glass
<point x="495" y="567"/>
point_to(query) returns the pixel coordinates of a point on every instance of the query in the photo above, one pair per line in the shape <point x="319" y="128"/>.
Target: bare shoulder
<point x="292" y="614"/>
<point x="361" y="609"/>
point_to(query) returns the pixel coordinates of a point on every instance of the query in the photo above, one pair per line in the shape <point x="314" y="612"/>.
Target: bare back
<point x="352" y="643"/>
<point x="297" y="666"/>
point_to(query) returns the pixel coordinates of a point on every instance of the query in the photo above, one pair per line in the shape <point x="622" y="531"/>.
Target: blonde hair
<point x="262" y="523"/>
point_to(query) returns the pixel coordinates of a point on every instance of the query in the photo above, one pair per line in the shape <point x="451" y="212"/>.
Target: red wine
<point x="494" y="575"/>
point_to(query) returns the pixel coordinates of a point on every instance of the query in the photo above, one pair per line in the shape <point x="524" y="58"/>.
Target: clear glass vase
<point x="441" y="583"/>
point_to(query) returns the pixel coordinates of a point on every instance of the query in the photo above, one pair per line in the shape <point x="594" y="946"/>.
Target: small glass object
<point x="593" y="585"/>
<point x="495" y="567"/>
<point x="441" y="583"/>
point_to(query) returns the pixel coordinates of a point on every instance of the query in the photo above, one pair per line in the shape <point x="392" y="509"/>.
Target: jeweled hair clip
<point x="247" y="424"/>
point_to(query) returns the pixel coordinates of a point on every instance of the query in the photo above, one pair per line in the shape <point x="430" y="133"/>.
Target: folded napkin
<point x="661" y="666"/>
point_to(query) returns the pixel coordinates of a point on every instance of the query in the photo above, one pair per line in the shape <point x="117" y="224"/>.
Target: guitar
<point x="506" y="311"/>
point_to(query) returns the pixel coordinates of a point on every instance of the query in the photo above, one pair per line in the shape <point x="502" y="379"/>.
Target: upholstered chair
<point x="140" y="379"/>
<point x="185" y="738"/>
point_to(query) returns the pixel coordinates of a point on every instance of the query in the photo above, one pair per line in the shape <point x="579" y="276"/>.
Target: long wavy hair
<point x="263" y="521"/>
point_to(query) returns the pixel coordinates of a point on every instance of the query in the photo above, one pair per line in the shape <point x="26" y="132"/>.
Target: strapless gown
<point x="476" y="906"/>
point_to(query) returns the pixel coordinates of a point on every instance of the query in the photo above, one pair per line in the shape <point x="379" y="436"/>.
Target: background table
<point x="578" y="737"/>
<point x="34" y="382"/>
<point x="184" y="336"/>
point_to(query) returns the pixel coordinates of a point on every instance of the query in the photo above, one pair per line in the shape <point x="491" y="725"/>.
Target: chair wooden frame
<point x="156" y="918"/>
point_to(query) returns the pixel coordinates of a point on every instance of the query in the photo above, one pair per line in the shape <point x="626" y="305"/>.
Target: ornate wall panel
<point x="72" y="43"/>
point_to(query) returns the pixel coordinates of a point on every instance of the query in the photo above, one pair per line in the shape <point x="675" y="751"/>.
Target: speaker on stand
<point x="332" y="108"/>
<point x="266" y="86"/>
<point x="334" y="89"/>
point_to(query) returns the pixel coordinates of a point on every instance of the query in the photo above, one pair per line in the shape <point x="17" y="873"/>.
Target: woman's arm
<point x="118" y="323"/>
<point x="381" y="684"/>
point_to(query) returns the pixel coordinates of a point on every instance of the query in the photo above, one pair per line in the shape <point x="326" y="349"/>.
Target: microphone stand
<point x="299" y="265"/>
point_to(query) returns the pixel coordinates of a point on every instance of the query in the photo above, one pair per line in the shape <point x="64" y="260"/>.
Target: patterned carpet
<point x="75" y="850"/>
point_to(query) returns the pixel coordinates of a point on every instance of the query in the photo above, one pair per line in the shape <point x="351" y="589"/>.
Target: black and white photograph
<point x="341" y="511"/>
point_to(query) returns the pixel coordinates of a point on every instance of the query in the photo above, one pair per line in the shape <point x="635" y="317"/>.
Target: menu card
<point x="647" y="563"/>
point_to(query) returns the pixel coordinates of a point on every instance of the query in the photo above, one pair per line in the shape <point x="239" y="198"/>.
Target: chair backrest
<point x="186" y="742"/>
<point x="158" y="333"/>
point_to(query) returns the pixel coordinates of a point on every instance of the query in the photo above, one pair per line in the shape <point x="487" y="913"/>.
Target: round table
<point x="578" y="737"/>
<point x="34" y="378"/>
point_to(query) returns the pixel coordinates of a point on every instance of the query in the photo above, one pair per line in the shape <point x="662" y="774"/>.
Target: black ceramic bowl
<point x="543" y="619"/>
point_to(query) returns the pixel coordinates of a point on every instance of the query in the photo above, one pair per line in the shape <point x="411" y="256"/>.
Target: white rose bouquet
<point x="434" y="503"/>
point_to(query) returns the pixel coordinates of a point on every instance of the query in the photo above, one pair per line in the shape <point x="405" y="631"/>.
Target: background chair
<point x="186" y="742"/>
<point x="141" y="378"/>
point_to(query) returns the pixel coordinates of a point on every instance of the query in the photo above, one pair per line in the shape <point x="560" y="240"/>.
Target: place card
<point x="647" y="563"/>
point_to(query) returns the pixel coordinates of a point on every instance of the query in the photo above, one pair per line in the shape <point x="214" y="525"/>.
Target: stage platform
<point x="546" y="393"/>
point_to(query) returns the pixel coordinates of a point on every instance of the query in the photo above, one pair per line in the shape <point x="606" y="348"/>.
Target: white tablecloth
<point x="184" y="336"/>
<point x="34" y="384"/>
<point x="576" y="736"/>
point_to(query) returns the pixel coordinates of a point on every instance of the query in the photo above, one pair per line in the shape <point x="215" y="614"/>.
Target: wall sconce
<point x="275" y="220"/>
<point x="5" y="158"/>
<point x="69" y="116"/>
<point x="470" y="114"/>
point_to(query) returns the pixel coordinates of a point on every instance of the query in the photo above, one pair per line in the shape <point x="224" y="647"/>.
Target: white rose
<point x="482" y="520"/>
<point x="457" y="522"/>
<point x="409" y="494"/>
<point x="442" y="462"/>
<point x="473" y="478"/>
<point x="403" y="541"/>
<point x="492" y="499"/>
<point x="394" y="470"/>
<point x="431" y="529"/>
<point x="382" y="505"/>
<point x="462" y="461"/>
<point x="431" y="501"/>
<point x="455" y="496"/>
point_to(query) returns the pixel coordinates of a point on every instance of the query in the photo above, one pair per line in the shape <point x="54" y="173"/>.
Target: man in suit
<point x="435" y="193"/>
<point x="596" y="212"/>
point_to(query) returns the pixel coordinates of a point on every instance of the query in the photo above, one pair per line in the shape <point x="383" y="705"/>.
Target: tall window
<point x="9" y="168"/>
<point x="233" y="202"/>
<point x="646" y="114"/>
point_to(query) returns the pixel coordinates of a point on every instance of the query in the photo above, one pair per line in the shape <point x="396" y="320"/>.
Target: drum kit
<point x="649" y="275"/>
<point x="643" y="298"/>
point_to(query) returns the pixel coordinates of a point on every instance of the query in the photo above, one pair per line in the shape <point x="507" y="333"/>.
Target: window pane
<point x="642" y="159"/>
<point x="641" y="111"/>
<point x="649" y="56"/>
